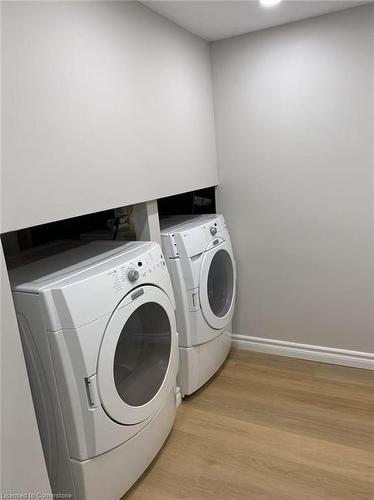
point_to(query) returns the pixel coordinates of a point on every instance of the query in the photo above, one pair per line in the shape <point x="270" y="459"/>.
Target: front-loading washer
<point x="99" y="335"/>
<point x="202" y="267"/>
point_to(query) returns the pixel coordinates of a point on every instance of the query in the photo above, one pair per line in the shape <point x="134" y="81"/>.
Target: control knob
<point x="133" y="275"/>
<point x="213" y="230"/>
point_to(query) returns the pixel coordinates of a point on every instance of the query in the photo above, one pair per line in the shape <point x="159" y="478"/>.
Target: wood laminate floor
<point x="270" y="428"/>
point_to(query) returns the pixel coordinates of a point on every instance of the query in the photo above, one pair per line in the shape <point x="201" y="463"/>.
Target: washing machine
<point x="99" y="334"/>
<point x="202" y="267"/>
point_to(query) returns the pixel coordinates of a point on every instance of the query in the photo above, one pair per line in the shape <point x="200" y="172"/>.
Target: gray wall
<point x="104" y="104"/>
<point x="23" y="468"/>
<point x="294" y="123"/>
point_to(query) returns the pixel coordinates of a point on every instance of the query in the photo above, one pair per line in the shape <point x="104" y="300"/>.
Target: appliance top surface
<point x="179" y="223"/>
<point x="84" y="258"/>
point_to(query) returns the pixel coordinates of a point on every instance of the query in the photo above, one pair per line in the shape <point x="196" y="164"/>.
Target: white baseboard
<point x="304" y="351"/>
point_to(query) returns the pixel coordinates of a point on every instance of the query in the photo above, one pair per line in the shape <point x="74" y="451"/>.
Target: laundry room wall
<point x="294" y="121"/>
<point x="104" y="104"/>
<point x="23" y="468"/>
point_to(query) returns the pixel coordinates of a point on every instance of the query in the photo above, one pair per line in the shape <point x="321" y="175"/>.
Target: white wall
<point x="23" y="468"/>
<point x="294" y="122"/>
<point x="104" y="104"/>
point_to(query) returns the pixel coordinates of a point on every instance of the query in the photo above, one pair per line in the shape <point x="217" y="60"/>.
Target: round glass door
<point x="142" y="354"/>
<point x="138" y="359"/>
<point x="220" y="283"/>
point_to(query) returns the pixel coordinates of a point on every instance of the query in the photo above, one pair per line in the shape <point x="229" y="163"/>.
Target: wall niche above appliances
<point x="201" y="201"/>
<point x="25" y="244"/>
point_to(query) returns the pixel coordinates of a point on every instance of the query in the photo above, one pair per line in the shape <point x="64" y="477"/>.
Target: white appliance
<point x="202" y="267"/>
<point x="100" y="340"/>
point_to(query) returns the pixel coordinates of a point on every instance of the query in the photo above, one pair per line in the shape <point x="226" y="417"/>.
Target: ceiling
<point x="214" y="20"/>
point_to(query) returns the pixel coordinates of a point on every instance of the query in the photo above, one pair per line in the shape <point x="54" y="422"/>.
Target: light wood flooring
<point x="270" y="428"/>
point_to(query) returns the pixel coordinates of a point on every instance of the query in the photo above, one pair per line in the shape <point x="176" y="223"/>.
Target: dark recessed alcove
<point x="201" y="201"/>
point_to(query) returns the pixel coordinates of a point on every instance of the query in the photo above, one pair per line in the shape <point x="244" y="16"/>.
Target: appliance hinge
<point x="193" y="299"/>
<point x="92" y="392"/>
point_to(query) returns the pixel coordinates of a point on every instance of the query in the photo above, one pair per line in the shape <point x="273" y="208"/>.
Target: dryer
<point x="99" y="334"/>
<point x="201" y="263"/>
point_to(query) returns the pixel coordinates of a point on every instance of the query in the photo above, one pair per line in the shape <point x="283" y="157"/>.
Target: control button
<point x="140" y="264"/>
<point x="213" y="230"/>
<point x="133" y="275"/>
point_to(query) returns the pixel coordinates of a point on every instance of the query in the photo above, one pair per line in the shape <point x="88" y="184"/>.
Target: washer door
<point x="218" y="286"/>
<point x="138" y="357"/>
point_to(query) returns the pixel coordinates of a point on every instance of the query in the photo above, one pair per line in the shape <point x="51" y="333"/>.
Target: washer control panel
<point x="150" y="266"/>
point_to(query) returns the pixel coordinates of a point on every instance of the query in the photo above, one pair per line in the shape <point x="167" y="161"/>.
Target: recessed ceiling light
<point x="269" y="3"/>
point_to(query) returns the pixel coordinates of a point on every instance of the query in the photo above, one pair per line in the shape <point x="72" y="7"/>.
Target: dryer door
<point x="138" y="357"/>
<point x="218" y="286"/>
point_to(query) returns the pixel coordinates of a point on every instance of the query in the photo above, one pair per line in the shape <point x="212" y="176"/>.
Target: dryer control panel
<point x="190" y="239"/>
